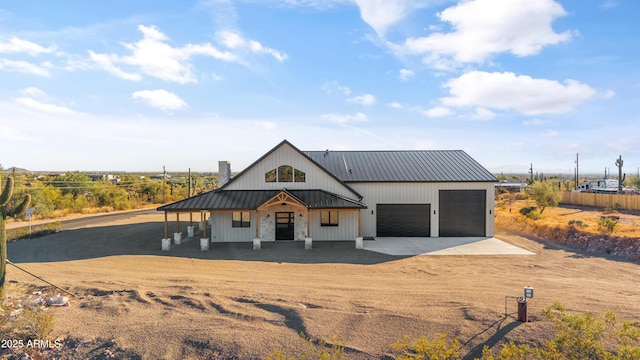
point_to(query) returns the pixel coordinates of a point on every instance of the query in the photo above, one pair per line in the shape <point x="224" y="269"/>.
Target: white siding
<point x="222" y="231"/>
<point x="316" y="177"/>
<point x="416" y="193"/>
<point x="347" y="228"/>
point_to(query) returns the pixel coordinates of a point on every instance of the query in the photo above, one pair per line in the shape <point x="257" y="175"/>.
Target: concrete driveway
<point x="443" y="246"/>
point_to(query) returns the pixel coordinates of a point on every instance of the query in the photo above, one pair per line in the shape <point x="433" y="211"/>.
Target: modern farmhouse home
<point x="289" y="194"/>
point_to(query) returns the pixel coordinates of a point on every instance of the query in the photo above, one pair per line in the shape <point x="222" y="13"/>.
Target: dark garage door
<point x="462" y="213"/>
<point x="403" y="220"/>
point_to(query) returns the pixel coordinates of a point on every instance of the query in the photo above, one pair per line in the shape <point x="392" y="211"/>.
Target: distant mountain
<point x="17" y="169"/>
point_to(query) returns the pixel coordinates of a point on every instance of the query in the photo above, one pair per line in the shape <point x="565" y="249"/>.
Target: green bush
<point x="607" y="224"/>
<point x="315" y="350"/>
<point x="526" y="210"/>
<point x="578" y="336"/>
<point x="409" y="348"/>
<point x="577" y="223"/>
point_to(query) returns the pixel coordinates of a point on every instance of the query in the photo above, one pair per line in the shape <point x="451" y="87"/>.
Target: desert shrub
<point x="24" y="316"/>
<point x="526" y="210"/>
<point x="577" y="223"/>
<point x="408" y="348"/>
<point x="315" y="350"/>
<point x="578" y="336"/>
<point x="534" y="215"/>
<point x="607" y="224"/>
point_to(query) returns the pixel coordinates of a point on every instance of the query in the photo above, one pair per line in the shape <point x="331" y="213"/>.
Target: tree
<point x="545" y="194"/>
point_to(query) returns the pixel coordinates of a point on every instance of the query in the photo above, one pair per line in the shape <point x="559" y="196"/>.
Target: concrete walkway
<point x="443" y="246"/>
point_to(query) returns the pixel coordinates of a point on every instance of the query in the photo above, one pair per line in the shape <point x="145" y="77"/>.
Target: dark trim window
<point x="270" y="176"/>
<point x="285" y="173"/>
<point x="241" y="219"/>
<point x="328" y="218"/>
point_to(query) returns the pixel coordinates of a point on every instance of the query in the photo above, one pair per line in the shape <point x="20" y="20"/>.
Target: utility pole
<point x="619" y="163"/>
<point x="189" y="185"/>
<point x="577" y="172"/>
<point x="164" y="181"/>
<point x="531" y="172"/>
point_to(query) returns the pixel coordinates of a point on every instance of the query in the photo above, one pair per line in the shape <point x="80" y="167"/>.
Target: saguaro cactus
<point x="4" y="213"/>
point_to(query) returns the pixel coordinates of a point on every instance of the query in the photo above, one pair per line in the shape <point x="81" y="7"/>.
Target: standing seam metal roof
<point x="402" y="166"/>
<point x="252" y="199"/>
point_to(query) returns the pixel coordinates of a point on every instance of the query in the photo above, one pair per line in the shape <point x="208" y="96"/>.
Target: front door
<point x="284" y="226"/>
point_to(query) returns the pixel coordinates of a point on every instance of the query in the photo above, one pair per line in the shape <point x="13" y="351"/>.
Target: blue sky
<point x="135" y="85"/>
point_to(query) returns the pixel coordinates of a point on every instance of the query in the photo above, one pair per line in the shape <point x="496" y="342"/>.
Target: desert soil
<point x="135" y="301"/>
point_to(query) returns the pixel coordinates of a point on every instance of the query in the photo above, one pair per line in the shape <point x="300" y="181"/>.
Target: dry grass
<point x="559" y="217"/>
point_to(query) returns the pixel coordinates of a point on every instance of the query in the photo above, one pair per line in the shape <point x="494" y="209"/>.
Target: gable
<point x="285" y="154"/>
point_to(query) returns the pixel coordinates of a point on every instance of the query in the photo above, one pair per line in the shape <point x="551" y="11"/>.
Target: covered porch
<point x="269" y="215"/>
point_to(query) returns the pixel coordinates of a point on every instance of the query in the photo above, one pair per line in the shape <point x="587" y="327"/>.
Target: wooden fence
<point x="616" y="201"/>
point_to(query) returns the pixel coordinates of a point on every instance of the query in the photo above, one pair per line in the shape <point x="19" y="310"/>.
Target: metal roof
<point x="402" y="166"/>
<point x="252" y="199"/>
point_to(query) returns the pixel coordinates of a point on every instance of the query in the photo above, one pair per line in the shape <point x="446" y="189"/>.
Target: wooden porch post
<point x="178" y="222"/>
<point x="190" y="218"/>
<point x="203" y="216"/>
<point x="359" y="229"/>
<point x="166" y="226"/>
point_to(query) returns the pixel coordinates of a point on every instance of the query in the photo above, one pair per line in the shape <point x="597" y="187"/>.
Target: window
<point x="329" y="218"/>
<point x="270" y="176"/>
<point x="285" y="173"/>
<point x="241" y="219"/>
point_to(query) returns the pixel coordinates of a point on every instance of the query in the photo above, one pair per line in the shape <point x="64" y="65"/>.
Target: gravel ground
<point x="135" y="301"/>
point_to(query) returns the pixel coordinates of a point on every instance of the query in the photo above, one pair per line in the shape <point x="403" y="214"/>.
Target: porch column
<point x="257" y="224"/>
<point x="359" y="228"/>
<point x="166" y="226"/>
<point x="178" y="222"/>
<point x="308" y="222"/>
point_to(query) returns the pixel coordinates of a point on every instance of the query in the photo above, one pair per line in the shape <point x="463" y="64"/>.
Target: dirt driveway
<point x="137" y="301"/>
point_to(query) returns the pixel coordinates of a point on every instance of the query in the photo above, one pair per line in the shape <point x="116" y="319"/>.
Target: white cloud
<point x="394" y="105"/>
<point x="235" y="41"/>
<point x="382" y="14"/>
<point x="105" y="62"/>
<point x="609" y="4"/>
<point x="16" y="45"/>
<point x="43" y="107"/>
<point x="483" y="114"/>
<point x="365" y="99"/>
<point x="32" y="91"/>
<point x="508" y="91"/>
<point x="343" y="119"/>
<point x="406" y="74"/>
<point x="161" y="99"/>
<point x="155" y="57"/>
<point x="482" y="28"/>
<point x="332" y="87"/>
<point x="551" y="134"/>
<point x="23" y="67"/>
<point x="437" y="112"/>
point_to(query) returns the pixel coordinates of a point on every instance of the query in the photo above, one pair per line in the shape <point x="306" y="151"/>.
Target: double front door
<point x="284" y="226"/>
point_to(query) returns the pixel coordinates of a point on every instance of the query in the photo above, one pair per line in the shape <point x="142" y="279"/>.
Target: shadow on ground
<point x="145" y="239"/>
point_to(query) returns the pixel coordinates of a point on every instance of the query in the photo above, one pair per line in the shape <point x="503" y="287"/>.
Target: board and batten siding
<point x="416" y="193"/>
<point x="347" y="228"/>
<point x="222" y="231"/>
<point x="315" y="177"/>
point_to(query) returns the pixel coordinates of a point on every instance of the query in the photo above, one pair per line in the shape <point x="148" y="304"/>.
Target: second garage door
<point x="462" y="213"/>
<point x="403" y="220"/>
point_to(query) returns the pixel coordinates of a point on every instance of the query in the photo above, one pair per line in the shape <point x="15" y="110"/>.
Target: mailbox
<point x="528" y="292"/>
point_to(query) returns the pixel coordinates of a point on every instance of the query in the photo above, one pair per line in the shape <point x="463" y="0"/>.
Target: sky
<point x="132" y="86"/>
